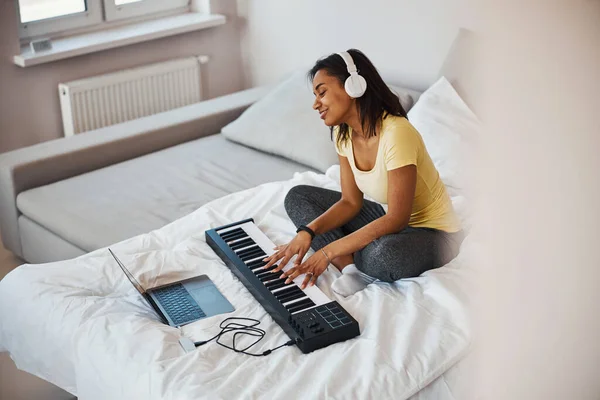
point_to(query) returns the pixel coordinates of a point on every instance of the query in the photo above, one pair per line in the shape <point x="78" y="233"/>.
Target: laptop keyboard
<point x="179" y="304"/>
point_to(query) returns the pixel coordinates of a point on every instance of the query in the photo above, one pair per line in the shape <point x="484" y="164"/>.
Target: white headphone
<point x="355" y="85"/>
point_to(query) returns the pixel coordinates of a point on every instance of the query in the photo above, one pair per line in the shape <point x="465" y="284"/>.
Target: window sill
<point x="116" y="37"/>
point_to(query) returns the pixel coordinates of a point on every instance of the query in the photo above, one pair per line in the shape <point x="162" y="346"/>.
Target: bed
<point x="79" y="324"/>
<point x="94" y="336"/>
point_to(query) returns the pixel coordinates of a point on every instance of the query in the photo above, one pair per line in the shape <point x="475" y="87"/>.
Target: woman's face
<point x="331" y="100"/>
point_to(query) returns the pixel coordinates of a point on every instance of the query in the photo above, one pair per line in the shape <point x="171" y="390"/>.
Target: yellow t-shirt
<point x="400" y="144"/>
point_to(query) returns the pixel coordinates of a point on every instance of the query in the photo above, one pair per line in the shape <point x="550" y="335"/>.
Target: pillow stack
<point x="284" y="123"/>
<point x="449" y="129"/>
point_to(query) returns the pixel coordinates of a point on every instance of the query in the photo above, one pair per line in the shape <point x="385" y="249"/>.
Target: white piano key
<point x="276" y="291"/>
<point x="288" y="303"/>
<point x="234" y="242"/>
<point x="256" y="258"/>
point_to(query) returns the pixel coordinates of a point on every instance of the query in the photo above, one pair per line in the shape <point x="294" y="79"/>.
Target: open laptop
<point x="179" y="303"/>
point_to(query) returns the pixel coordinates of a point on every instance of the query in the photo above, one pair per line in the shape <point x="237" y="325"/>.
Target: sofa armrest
<point x="63" y="158"/>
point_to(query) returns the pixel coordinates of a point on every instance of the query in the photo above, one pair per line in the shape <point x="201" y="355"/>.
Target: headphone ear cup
<point x="355" y="86"/>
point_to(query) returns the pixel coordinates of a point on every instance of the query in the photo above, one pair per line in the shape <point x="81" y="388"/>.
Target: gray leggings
<point x="405" y="254"/>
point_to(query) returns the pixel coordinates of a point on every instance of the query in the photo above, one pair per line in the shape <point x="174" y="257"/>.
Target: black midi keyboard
<point x="307" y="316"/>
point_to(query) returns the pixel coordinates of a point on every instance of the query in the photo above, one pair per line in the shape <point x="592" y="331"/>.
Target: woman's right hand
<point x="298" y="246"/>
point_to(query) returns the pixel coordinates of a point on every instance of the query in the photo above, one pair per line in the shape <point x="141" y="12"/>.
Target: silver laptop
<point x="179" y="303"/>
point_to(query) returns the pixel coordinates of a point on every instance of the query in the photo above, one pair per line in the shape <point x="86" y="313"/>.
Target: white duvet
<point x="81" y="325"/>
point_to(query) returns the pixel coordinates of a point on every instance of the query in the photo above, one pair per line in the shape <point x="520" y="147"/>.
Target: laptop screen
<point x="133" y="281"/>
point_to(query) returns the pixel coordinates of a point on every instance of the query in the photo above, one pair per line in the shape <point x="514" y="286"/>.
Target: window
<point x="35" y="10"/>
<point x="120" y="9"/>
<point x="50" y="17"/>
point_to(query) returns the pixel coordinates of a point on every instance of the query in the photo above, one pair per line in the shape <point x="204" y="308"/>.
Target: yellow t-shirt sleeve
<point x="401" y="147"/>
<point x="338" y="150"/>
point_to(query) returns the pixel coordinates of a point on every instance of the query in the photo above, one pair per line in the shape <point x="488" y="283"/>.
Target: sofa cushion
<point x="108" y="205"/>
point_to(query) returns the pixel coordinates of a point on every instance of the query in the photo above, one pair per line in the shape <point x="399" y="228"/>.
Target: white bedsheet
<point x="81" y="325"/>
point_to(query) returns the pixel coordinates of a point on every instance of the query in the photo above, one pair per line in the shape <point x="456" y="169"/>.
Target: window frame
<point x="114" y="12"/>
<point x="99" y="14"/>
<point x="47" y="27"/>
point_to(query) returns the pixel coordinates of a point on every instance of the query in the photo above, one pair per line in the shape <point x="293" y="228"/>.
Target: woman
<point x="411" y="228"/>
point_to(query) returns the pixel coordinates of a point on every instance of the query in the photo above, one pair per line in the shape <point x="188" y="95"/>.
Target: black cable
<point x="241" y="329"/>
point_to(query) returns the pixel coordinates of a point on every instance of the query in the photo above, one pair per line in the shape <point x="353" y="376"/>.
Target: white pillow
<point x="449" y="129"/>
<point x="284" y="123"/>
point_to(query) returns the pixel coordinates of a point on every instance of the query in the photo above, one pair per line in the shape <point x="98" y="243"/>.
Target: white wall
<point x="407" y="40"/>
<point x="540" y="191"/>
<point x="29" y="102"/>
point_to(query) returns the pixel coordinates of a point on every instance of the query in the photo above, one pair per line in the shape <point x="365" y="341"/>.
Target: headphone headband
<point x="349" y="61"/>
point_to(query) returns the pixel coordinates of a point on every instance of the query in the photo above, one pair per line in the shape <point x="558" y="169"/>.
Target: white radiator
<point x="104" y="100"/>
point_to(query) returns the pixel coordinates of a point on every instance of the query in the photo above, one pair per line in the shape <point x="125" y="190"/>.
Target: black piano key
<point x="238" y="236"/>
<point x="233" y="234"/>
<point x="291" y="297"/>
<point x="277" y="285"/>
<point x="250" y="253"/>
<point x="242" y="243"/>
<point x="293" y="289"/>
<point x="306" y="302"/>
<point x="261" y="270"/>
<point x="285" y="286"/>
<point x="299" y="308"/>
<point x="300" y="305"/>
<point x="253" y="254"/>
<point x="269" y="285"/>
<point x="289" y="290"/>
<point x="269" y="276"/>
<point x="242" y="253"/>
<point x="256" y="264"/>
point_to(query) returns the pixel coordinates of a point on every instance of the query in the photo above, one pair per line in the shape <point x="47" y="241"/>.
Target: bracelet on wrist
<point x="306" y="229"/>
<point x="326" y="256"/>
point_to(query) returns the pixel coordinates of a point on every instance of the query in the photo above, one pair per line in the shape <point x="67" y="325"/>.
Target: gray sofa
<point x="63" y="198"/>
<point x="66" y="197"/>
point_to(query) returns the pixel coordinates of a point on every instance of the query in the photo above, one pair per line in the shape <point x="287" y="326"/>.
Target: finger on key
<point x="272" y="259"/>
<point x="284" y="274"/>
<point x="277" y="268"/>
<point x="293" y="275"/>
<point x="285" y="261"/>
<point x="307" y="279"/>
<point x="301" y="255"/>
<point x="281" y="265"/>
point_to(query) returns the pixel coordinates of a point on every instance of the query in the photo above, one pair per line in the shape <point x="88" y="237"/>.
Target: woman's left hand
<point x="314" y="266"/>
